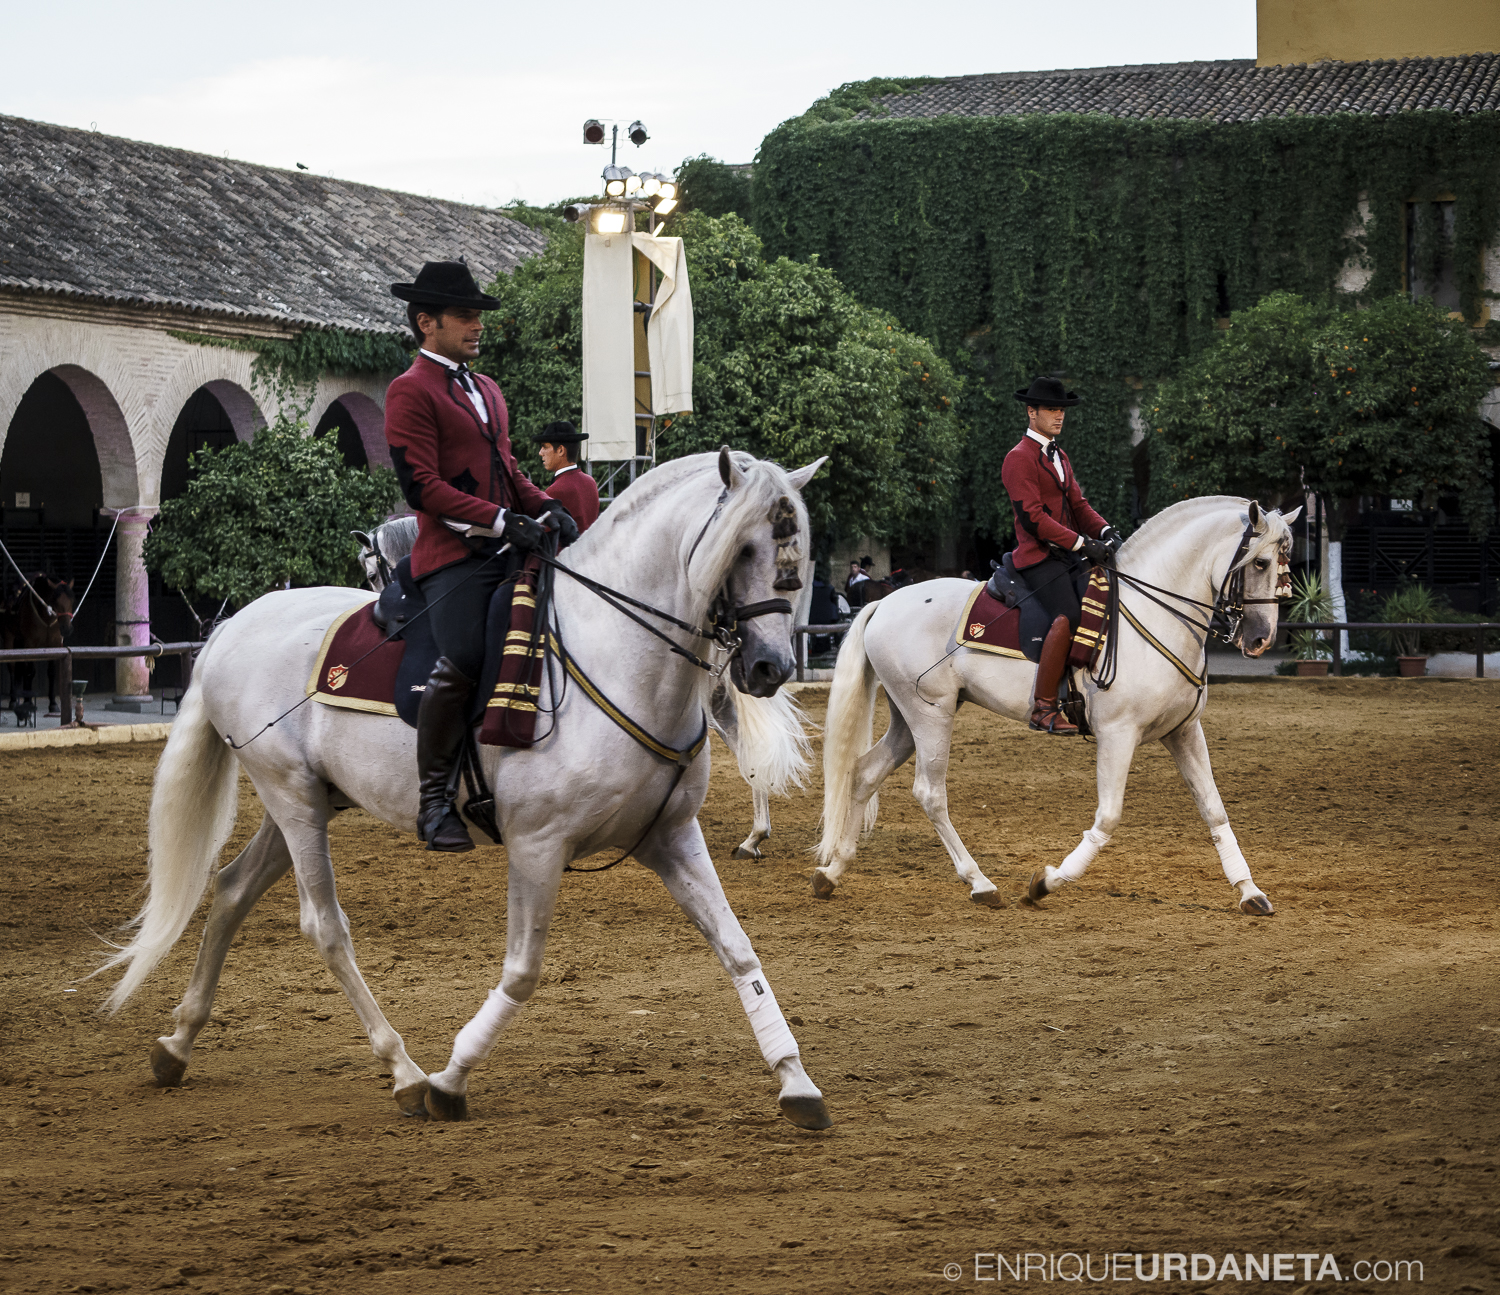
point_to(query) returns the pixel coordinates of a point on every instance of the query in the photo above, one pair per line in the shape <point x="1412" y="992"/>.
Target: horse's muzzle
<point x="760" y="673"/>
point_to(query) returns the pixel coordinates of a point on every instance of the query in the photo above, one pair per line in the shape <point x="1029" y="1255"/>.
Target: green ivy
<point x="289" y="368"/>
<point x="1100" y="248"/>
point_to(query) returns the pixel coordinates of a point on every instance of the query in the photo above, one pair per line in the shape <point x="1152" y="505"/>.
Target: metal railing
<point x="1337" y="665"/>
<point x="65" y="656"/>
<point x="799" y="640"/>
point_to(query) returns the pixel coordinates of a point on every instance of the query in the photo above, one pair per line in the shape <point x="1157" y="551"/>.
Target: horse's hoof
<point x="741" y="853"/>
<point x="167" y="1066"/>
<point x="1257" y="906"/>
<point x="446" y="1108"/>
<point x="1036" y="888"/>
<point x="822" y="887"/>
<point x="988" y="898"/>
<point x="412" y="1100"/>
<point x="806" y="1112"/>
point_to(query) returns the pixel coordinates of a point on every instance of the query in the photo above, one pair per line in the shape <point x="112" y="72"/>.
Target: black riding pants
<point x="458" y="601"/>
<point x="1054" y="582"/>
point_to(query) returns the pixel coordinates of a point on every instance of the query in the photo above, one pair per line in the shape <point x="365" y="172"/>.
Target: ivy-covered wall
<point x="1104" y="248"/>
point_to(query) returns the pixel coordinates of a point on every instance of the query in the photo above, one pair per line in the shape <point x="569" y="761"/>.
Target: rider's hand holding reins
<point x="556" y="517"/>
<point x="522" y="531"/>
<point x="1098" y="552"/>
<point x="1112" y="538"/>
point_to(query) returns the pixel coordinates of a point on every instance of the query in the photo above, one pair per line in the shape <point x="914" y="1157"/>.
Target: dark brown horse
<point x="39" y="615"/>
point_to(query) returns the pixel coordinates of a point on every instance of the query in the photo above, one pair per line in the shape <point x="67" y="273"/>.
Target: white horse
<point x="682" y="535"/>
<point x="906" y="642"/>
<point x="767" y="735"/>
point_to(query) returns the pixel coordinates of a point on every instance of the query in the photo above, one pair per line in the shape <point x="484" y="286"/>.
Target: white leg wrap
<point x="1084" y="853"/>
<point x="475" y="1040"/>
<point x="771" y="1030"/>
<point x="1236" y="869"/>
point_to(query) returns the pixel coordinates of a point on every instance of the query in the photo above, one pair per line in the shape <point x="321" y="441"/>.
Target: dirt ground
<point x="1133" y="1069"/>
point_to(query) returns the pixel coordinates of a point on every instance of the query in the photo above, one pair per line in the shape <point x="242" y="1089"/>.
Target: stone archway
<point x="361" y="424"/>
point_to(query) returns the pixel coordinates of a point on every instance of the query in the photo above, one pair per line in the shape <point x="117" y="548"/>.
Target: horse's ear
<point x="802" y="476"/>
<point x="726" y="467"/>
<point x="1254" y="513"/>
<point x="1292" y="516"/>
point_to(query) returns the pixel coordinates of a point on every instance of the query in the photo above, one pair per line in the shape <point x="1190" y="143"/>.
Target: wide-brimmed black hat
<point x="561" y="432"/>
<point x="1049" y="393"/>
<point x="445" y="283"/>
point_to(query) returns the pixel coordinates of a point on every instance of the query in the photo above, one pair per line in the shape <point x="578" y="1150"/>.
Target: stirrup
<point x="1052" y="719"/>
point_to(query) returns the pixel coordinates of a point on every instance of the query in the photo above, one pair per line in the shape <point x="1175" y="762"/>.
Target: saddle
<point x="378" y="657"/>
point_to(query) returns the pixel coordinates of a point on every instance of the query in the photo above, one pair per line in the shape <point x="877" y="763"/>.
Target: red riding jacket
<point x="576" y="491"/>
<point x="1048" y="511"/>
<point x="450" y="463"/>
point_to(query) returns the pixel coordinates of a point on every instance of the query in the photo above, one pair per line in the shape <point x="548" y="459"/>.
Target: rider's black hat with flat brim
<point x="1048" y="393"/>
<point x="561" y="432"/>
<point x="445" y="283"/>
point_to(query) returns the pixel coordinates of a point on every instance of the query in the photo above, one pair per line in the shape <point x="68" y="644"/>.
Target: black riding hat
<point x="445" y="283"/>
<point x="1048" y="393"/>
<point x="561" y="432"/>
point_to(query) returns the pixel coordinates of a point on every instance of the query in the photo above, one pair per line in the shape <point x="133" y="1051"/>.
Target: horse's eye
<point x="1262" y="563"/>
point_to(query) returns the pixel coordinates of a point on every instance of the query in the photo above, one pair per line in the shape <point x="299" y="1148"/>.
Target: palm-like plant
<point x="1310" y="601"/>
<point x="1413" y="602"/>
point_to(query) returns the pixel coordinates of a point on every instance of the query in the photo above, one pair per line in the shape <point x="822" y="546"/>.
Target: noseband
<point x="1226" y="618"/>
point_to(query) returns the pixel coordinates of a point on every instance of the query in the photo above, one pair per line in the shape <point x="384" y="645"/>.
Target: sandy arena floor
<point x="1135" y="1068"/>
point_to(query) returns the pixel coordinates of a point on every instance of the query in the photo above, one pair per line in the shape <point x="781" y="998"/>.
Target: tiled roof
<point x="106" y="219"/>
<point x="1226" y="91"/>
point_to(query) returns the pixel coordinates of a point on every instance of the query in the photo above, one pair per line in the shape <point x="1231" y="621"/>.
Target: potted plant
<point x="1414" y="603"/>
<point x="1310" y="601"/>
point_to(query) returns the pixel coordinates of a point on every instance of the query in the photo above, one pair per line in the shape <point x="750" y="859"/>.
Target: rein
<point x="1226" y="614"/>
<point x="727" y="617"/>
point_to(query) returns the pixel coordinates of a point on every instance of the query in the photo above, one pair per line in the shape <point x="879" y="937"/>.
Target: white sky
<point x="485" y="103"/>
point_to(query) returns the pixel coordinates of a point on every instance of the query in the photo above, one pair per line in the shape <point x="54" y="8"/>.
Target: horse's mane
<point x="762" y="484"/>
<point x="1162" y="525"/>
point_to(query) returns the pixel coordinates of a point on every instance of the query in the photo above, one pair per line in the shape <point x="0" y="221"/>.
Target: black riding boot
<point x="442" y="717"/>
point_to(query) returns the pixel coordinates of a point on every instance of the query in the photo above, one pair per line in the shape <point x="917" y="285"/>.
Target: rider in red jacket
<point x="449" y="433"/>
<point x="558" y="445"/>
<point x="1056" y="531"/>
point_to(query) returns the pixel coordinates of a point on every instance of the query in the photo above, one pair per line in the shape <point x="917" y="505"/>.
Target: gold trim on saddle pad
<point x="969" y="632"/>
<point x="338" y="673"/>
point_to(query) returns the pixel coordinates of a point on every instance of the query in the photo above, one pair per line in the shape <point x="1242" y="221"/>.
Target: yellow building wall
<point x="1309" y="31"/>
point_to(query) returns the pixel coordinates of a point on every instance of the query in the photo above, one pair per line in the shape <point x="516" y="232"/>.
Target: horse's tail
<point x="847" y="735"/>
<point x="774" y="751"/>
<point x="193" y="805"/>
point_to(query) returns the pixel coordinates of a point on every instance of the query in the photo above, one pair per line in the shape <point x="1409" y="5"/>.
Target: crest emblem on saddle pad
<point x="976" y="630"/>
<point x="338" y="676"/>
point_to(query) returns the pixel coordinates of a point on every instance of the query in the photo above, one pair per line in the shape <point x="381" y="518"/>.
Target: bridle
<point x="1226" y="614"/>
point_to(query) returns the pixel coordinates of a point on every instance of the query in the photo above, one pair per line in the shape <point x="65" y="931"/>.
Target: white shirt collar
<point x="1036" y="436"/>
<point x="441" y="359"/>
<point x="572" y="467"/>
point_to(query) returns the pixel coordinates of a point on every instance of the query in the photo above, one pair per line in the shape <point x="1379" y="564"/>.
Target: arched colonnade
<point x="96" y="422"/>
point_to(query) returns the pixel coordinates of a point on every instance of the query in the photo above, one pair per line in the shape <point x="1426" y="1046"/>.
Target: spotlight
<point x="637" y="134"/>
<point x="664" y="206"/>
<point x="614" y="181"/>
<point x="650" y="184"/>
<point x="632" y="180"/>
<point x="576" y="211"/>
<point x="593" y="131"/>
<point x="609" y="221"/>
<point x="668" y="188"/>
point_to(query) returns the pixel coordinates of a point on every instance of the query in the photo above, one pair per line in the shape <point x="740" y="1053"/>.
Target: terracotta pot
<point x="1411" y="667"/>
<point x="1312" y="669"/>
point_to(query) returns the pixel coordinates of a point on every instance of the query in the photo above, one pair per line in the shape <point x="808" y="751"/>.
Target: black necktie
<point x="1052" y="451"/>
<point x="463" y="378"/>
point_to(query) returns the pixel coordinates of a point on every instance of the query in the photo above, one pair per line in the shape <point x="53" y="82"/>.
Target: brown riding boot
<point x="1045" y="716"/>
<point x="442" y="717"/>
